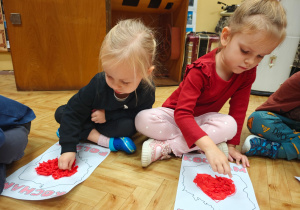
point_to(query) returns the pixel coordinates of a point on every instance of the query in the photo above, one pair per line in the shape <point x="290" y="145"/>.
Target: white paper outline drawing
<point x="45" y="183"/>
<point x="190" y="196"/>
<point x="26" y="184"/>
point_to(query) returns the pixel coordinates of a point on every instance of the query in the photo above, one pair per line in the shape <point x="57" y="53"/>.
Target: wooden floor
<point x="120" y="182"/>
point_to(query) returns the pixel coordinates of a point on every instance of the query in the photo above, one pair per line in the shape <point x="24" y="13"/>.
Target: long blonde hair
<point x="259" y="15"/>
<point x="131" y="43"/>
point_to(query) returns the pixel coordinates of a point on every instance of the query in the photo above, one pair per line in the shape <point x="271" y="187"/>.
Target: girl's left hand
<point x="236" y="155"/>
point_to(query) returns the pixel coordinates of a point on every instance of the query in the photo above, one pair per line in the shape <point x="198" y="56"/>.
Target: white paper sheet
<point x="191" y="197"/>
<point x="26" y="184"/>
<point x="298" y="178"/>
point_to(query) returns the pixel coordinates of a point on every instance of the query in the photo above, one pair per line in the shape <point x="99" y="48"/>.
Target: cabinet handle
<point x="15" y="18"/>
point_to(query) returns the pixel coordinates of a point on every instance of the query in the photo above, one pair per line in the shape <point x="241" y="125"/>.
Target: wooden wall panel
<point x="57" y="45"/>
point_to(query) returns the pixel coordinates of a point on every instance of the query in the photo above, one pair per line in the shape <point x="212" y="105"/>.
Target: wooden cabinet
<point x="168" y="18"/>
<point x="56" y="46"/>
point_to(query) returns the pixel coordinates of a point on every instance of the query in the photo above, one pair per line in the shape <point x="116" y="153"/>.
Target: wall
<point x="208" y="13"/>
<point x="5" y="61"/>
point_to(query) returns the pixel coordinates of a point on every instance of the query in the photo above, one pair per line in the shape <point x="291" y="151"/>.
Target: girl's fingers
<point x="214" y="168"/>
<point x="70" y="165"/>
<point x="246" y="162"/>
<point x="230" y="158"/>
<point x="221" y="169"/>
<point x="228" y="170"/>
<point x="238" y="161"/>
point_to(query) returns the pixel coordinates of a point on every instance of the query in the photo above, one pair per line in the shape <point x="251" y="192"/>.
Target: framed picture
<point x="190" y="18"/>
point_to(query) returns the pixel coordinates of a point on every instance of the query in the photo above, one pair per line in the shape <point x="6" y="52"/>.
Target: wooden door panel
<point x="57" y="45"/>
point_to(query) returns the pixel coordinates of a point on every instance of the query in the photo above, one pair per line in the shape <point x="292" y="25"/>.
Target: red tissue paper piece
<point x="51" y="168"/>
<point x="217" y="188"/>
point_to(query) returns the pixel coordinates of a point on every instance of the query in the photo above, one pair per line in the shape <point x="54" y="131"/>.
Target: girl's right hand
<point x="218" y="161"/>
<point x="216" y="158"/>
<point x="66" y="160"/>
<point x="98" y="116"/>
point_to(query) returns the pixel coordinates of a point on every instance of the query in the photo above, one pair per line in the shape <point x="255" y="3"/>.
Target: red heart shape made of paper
<point x="217" y="188"/>
<point x="51" y="168"/>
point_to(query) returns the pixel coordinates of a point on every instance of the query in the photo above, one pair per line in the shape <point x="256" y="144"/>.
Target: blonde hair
<point x="131" y="43"/>
<point x="259" y="15"/>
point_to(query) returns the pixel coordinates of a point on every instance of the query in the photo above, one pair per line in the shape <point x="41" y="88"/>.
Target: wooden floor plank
<point x="295" y="195"/>
<point x="85" y="195"/>
<point x="75" y="206"/>
<point x="139" y="199"/>
<point x="280" y="205"/>
<point x="143" y="180"/>
<point x="292" y="169"/>
<point x="165" y="196"/>
<point x="278" y="186"/>
<point x="259" y="178"/>
<point x="110" y="201"/>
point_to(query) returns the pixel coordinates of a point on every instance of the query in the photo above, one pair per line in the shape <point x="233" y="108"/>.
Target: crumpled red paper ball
<point x="217" y="188"/>
<point x="51" y="168"/>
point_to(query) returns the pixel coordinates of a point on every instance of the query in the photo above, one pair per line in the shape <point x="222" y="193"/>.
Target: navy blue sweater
<point x="98" y="95"/>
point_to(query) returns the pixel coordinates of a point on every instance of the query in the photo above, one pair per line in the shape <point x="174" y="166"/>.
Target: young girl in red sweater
<point x="189" y="119"/>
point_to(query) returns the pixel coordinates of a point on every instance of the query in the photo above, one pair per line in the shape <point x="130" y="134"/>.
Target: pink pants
<point x="159" y="124"/>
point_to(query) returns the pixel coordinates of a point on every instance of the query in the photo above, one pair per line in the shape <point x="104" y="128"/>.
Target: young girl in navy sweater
<point x="104" y="110"/>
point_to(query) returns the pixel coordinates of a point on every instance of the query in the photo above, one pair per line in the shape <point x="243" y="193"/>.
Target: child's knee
<point x="224" y="125"/>
<point x="230" y="126"/>
<point x="220" y="127"/>
<point x="256" y="119"/>
<point x="141" y="119"/>
<point x="58" y="113"/>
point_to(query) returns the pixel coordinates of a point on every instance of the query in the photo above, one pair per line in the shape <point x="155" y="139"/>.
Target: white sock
<point x="103" y="141"/>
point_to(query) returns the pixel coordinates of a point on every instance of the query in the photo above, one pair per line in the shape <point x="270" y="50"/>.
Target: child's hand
<point x="218" y="161"/>
<point x="66" y="160"/>
<point x="98" y="116"/>
<point x="236" y="155"/>
<point x="214" y="155"/>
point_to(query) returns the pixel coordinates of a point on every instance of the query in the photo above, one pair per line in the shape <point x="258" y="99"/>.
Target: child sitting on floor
<point x="189" y="119"/>
<point x="15" y="123"/>
<point x="104" y="110"/>
<point x="276" y="124"/>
